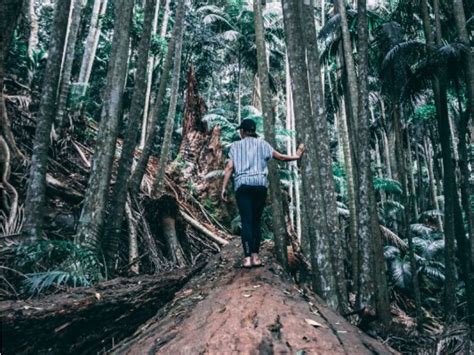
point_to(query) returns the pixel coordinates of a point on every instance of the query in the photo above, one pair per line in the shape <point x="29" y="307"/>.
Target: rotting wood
<point x="85" y="320"/>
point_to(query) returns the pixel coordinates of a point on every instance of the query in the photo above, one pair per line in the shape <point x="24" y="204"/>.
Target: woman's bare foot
<point x="247" y="262"/>
<point x="256" y="260"/>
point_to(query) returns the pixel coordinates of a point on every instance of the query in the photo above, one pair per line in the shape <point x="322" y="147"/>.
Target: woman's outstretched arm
<point x="285" y="157"/>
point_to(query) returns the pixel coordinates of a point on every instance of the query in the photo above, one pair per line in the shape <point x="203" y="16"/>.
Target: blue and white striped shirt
<point x="250" y="157"/>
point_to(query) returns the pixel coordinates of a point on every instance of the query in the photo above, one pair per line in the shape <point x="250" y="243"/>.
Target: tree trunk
<point x="323" y="278"/>
<point x="324" y="155"/>
<point x="35" y="196"/>
<point x="74" y="23"/>
<point x="372" y="281"/>
<point x="158" y="185"/>
<point x="119" y="195"/>
<point x="279" y="230"/>
<point x="90" y="47"/>
<point x="132" y="240"/>
<point x="165" y="20"/>
<point x="137" y="176"/>
<point x="87" y="320"/>
<point x="149" y="81"/>
<point x="348" y="60"/>
<point x="93" y="209"/>
<point x="467" y="187"/>
<point x="33" y="35"/>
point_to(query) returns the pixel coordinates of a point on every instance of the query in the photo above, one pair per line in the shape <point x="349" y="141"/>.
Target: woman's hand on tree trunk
<point x="300" y="151"/>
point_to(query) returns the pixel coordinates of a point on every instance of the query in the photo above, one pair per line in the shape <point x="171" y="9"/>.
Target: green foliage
<point x="56" y="262"/>
<point x="387" y="185"/>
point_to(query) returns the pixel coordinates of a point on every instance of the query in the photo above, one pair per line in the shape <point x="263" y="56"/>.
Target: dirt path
<point x="227" y="309"/>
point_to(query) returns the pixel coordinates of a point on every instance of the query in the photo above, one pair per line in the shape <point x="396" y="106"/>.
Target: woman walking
<point x="248" y="160"/>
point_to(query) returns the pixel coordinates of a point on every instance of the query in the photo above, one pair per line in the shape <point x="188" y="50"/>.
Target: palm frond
<point x="390" y="252"/>
<point x="400" y="272"/>
<point x="392" y="238"/>
<point x="387" y="185"/>
<point x="420" y="228"/>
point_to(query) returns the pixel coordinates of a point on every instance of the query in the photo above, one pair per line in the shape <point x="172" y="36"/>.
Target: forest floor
<point x="228" y="309"/>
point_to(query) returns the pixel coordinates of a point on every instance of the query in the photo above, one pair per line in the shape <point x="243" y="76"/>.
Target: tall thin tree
<point x="269" y="131"/>
<point x="372" y="281"/>
<point x="140" y="168"/>
<point x="93" y="210"/>
<point x="314" y="227"/>
<point x="119" y="195"/>
<point x="170" y="119"/>
<point x="36" y="194"/>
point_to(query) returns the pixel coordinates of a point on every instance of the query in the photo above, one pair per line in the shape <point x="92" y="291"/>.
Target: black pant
<point x="251" y="201"/>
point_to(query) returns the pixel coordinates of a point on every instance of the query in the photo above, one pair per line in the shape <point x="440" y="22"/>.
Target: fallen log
<point x="87" y="320"/>
<point x="203" y="229"/>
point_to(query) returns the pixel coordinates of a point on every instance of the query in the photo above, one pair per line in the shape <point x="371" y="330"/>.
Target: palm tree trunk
<point x="151" y="65"/>
<point x="33" y="35"/>
<point x="137" y="176"/>
<point x="36" y="194"/>
<point x="119" y="195"/>
<point x="279" y="229"/>
<point x="348" y="60"/>
<point x="324" y="155"/>
<point x="372" y="264"/>
<point x="93" y="211"/>
<point x="313" y="228"/>
<point x="467" y="188"/>
<point x="165" y="20"/>
<point x="90" y="47"/>
<point x="158" y="185"/>
<point x="67" y="66"/>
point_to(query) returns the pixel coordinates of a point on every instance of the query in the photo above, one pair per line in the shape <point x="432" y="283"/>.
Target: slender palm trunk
<point x="158" y="185"/>
<point x="92" y="216"/>
<point x="279" y="229"/>
<point x="119" y="195"/>
<point x="36" y="194"/>
<point x="467" y="187"/>
<point x="323" y="278"/>
<point x="150" y="67"/>
<point x="137" y="176"/>
<point x="372" y="281"/>
<point x="33" y="35"/>
<point x="165" y="20"/>
<point x="90" y="47"/>
<point x="324" y="155"/>
<point x="74" y="23"/>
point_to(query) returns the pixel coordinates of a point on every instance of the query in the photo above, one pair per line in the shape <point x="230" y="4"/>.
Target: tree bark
<point x="158" y="185"/>
<point x="119" y="195"/>
<point x="324" y="155"/>
<point x="35" y="196"/>
<point x="93" y="211"/>
<point x="323" y="278"/>
<point x="90" y="47"/>
<point x="87" y="320"/>
<point x="467" y="186"/>
<point x="74" y="23"/>
<point x="372" y="281"/>
<point x="137" y="176"/>
<point x="279" y="230"/>
<point x="149" y="81"/>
